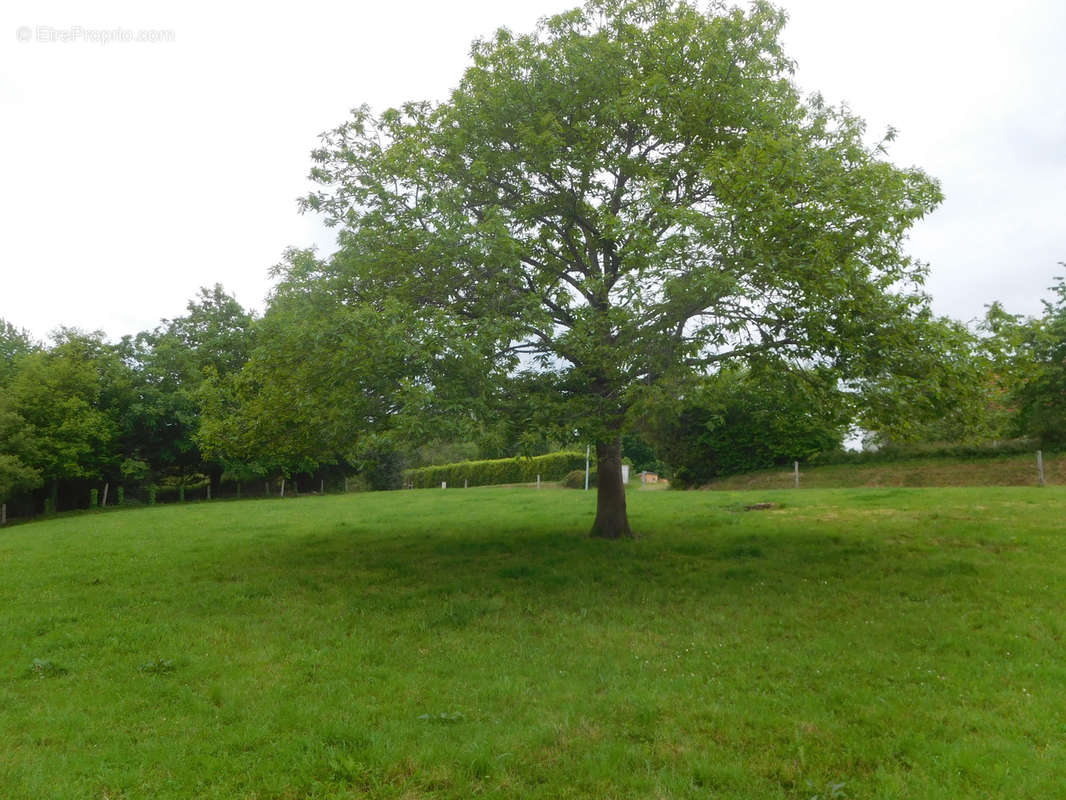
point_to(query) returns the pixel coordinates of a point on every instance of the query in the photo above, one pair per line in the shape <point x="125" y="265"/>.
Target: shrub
<point x="575" y="479"/>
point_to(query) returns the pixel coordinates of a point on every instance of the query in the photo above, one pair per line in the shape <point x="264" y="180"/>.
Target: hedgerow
<point x="551" y="467"/>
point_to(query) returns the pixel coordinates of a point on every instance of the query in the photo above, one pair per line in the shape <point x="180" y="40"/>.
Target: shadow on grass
<point x="718" y="566"/>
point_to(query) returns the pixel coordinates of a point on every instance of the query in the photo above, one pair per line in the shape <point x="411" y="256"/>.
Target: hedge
<point x="904" y="452"/>
<point x="552" y="467"/>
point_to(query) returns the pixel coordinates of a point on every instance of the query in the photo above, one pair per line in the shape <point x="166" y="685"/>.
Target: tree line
<point x="626" y="225"/>
<point x="220" y="396"/>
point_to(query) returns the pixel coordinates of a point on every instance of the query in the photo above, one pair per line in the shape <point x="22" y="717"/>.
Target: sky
<point x="149" y="149"/>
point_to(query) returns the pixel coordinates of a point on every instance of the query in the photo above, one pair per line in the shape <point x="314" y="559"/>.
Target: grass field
<point x="896" y="643"/>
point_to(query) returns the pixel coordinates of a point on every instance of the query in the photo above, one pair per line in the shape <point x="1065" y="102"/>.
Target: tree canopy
<point x="633" y="192"/>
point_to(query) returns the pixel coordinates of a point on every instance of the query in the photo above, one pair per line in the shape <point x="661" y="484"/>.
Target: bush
<point x="575" y="479"/>
<point x="552" y="467"/>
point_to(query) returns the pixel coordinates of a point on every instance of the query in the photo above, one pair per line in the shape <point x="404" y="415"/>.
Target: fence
<point x="84" y="495"/>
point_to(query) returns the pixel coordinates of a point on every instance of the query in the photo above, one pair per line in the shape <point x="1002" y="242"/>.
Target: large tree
<point x="632" y="192"/>
<point x="333" y="380"/>
<point x="58" y="413"/>
<point x="14" y="343"/>
<point x="211" y="341"/>
<point x="938" y="384"/>
<point x="1029" y="356"/>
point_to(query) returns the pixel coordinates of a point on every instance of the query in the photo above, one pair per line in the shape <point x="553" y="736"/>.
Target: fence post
<point x="322" y="489"/>
<point x="181" y="494"/>
<point x="209" y="491"/>
<point x="106" y="487"/>
<point x="538" y="480"/>
<point x="797" y="466"/>
<point x="282" y="493"/>
<point x="1040" y="465"/>
<point x="3" y="514"/>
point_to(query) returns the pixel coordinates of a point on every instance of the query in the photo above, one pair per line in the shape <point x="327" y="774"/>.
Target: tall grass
<point x="940" y="471"/>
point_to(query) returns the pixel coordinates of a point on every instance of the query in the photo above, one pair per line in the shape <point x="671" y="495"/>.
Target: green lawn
<point x="898" y="643"/>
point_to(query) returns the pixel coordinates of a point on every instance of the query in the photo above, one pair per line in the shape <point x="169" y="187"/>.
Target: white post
<point x="797" y="465"/>
<point x="643" y="478"/>
<point x="1040" y="465"/>
<point x="282" y="494"/>
<point x="104" y="501"/>
<point x="538" y="480"/>
<point x="588" y="450"/>
<point x="444" y="484"/>
<point x="466" y="483"/>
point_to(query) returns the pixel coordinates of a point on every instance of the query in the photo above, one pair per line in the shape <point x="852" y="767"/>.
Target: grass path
<point x="849" y="644"/>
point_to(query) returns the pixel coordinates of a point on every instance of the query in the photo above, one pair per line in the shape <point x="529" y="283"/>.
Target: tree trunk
<point x="611" y="519"/>
<point x="51" y="503"/>
<point x="214" y="477"/>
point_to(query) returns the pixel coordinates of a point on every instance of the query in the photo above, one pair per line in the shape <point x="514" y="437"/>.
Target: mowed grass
<point x="902" y="643"/>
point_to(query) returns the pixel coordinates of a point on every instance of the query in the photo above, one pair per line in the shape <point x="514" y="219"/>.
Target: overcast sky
<point x="134" y="172"/>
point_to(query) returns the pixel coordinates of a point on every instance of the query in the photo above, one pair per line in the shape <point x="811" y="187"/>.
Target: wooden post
<point x="266" y="487"/>
<point x="797" y="465"/>
<point x="588" y="449"/>
<point x="209" y="491"/>
<point x="106" y="487"/>
<point x="538" y="480"/>
<point x="322" y="489"/>
<point x="282" y="493"/>
<point x="1040" y="466"/>
<point x="466" y="483"/>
